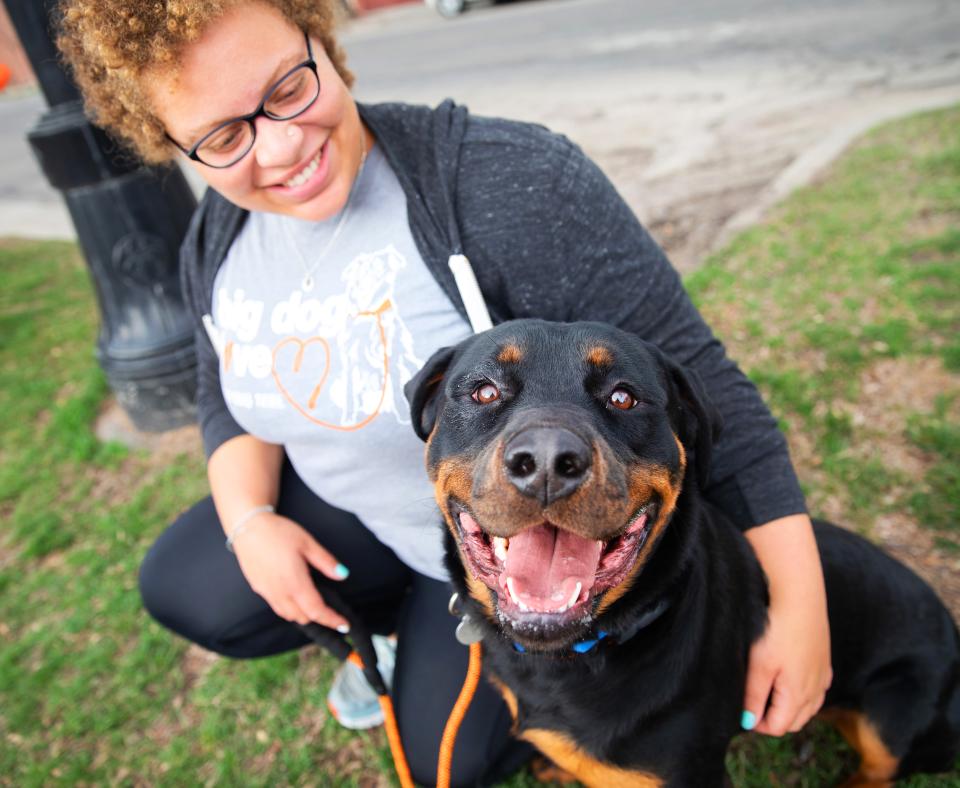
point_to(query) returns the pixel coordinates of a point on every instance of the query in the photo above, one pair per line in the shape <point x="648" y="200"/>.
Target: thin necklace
<point x="307" y="282"/>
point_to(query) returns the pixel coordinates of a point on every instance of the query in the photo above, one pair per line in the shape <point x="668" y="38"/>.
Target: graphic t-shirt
<point x="318" y="326"/>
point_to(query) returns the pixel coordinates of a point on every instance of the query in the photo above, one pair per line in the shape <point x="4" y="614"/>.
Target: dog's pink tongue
<point x="544" y="565"/>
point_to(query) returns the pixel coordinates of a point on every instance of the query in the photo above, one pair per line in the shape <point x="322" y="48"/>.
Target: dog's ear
<point x="422" y="390"/>
<point x="696" y="419"/>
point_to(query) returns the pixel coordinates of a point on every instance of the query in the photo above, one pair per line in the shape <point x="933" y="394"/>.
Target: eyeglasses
<point x="291" y="95"/>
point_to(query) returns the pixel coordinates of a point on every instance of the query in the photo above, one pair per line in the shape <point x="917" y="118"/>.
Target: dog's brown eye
<point x="486" y="393"/>
<point x="622" y="399"/>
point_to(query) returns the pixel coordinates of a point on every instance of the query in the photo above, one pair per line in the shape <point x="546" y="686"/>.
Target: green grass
<point x="859" y="270"/>
<point x="844" y="307"/>
<point x="936" y="504"/>
<point x="848" y="295"/>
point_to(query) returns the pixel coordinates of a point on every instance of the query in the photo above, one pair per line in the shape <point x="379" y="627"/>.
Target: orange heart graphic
<point x="302" y="346"/>
<point x="294" y="371"/>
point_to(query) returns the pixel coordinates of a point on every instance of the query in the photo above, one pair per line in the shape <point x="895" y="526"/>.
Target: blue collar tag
<point x="586" y="645"/>
<point x="581" y="648"/>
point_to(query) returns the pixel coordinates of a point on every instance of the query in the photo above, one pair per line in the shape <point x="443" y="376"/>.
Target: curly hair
<point x="109" y="45"/>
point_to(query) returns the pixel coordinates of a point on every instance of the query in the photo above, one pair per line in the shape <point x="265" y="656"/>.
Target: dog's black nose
<point x="547" y="463"/>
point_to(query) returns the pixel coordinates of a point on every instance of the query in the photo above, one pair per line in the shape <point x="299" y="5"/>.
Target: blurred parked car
<point x="452" y="8"/>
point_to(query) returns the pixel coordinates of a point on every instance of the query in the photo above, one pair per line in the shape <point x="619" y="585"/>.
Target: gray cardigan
<point x="548" y="236"/>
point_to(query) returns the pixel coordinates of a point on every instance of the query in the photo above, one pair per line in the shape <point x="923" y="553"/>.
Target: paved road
<point x="702" y="112"/>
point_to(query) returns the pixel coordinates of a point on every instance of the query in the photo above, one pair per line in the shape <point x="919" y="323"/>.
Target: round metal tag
<point x="468" y="631"/>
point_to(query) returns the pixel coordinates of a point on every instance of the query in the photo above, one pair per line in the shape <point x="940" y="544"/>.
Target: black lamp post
<point x="129" y="220"/>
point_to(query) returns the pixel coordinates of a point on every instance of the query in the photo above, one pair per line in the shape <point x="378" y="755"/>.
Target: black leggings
<point x="191" y="584"/>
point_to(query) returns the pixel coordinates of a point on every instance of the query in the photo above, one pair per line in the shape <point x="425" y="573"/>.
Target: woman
<point x="316" y="266"/>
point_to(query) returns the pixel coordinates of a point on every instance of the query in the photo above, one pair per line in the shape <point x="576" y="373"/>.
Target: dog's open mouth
<point x="548" y="577"/>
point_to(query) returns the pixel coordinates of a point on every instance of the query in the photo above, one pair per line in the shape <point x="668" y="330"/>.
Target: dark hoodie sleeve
<point x="567" y="247"/>
<point x="619" y="274"/>
<point x="216" y="424"/>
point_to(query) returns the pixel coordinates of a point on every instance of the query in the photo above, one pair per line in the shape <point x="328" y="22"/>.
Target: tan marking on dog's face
<point x="453" y="478"/>
<point x="878" y="766"/>
<point x="645" y="484"/>
<point x="510" y="354"/>
<point x="591" y="772"/>
<point x="479" y="591"/>
<point x="596" y="510"/>
<point x="599" y="356"/>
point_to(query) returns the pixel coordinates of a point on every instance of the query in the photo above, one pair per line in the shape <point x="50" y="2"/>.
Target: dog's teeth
<point x="500" y="548"/>
<point x="513" y="594"/>
<point x="573" y="598"/>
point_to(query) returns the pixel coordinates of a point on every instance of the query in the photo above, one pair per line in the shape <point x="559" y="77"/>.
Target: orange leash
<point x="393" y="732"/>
<point x="449" y="732"/>
<point x="456" y="717"/>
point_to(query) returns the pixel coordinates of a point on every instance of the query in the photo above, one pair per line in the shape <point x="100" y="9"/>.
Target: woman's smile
<point x="307" y="172"/>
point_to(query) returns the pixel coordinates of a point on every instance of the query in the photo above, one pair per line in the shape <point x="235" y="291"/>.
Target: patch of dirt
<point x="931" y="224"/>
<point x="196" y="663"/>
<point x="8" y="553"/>
<point x="263" y="761"/>
<point x="893" y="387"/>
<point x="689" y="228"/>
<point x="351" y="760"/>
<point x="903" y="538"/>
<point x="155" y="451"/>
<point x="182" y="716"/>
<point x="113" y="424"/>
<point x="113" y="485"/>
<point x="891" y="390"/>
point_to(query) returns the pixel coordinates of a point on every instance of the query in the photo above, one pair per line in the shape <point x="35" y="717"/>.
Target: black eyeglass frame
<point x="309" y="63"/>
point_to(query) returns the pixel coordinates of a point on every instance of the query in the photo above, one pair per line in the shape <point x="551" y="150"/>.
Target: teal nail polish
<point x="748" y="721"/>
<point x="341" y="571"/>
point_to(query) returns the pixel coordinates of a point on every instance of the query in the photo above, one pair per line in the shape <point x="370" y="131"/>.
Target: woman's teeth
<point x="305" y="174"/>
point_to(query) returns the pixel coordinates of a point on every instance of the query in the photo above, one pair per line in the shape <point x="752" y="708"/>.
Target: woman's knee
<point x="474" y="763"/>
<point x="161" y="592"/>
<point x="484" y="752"/>
<point x="185" y="583"/>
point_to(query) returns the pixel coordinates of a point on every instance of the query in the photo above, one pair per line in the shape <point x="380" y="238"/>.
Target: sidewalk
<point x="700" y="146"/>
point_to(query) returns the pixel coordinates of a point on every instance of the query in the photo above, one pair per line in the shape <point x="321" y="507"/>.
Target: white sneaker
<point x="351" y="700"/>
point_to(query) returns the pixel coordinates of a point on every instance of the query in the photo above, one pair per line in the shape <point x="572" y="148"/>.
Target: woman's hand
<point x="275" y="553"/>
<point x="790" y="664"/>
<point x="275" y="556"/>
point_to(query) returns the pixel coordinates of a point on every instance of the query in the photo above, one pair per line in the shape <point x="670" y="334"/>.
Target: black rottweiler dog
<point x="617" y="608"/>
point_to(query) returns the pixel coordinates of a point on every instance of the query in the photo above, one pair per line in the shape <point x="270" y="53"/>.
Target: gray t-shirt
<point x="318" y="326"/>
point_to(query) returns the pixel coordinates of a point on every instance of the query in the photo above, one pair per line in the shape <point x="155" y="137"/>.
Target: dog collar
<point x="580" y="648"/>
<point x="650" y="615"/>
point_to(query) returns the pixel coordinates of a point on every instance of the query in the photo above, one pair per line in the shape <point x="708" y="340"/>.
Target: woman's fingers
<point x="305" y="594"/>
<point x="807" y="713"/>
<point x="312" y="607"/>
<point x="321" y="559"/>
<point x="779" y="715"/>
<point x="758" y="688"/>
